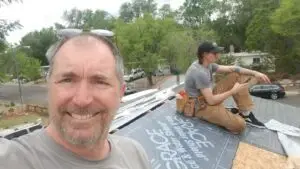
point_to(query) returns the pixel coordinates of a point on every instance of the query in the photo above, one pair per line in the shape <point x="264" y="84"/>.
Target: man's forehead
<point x="85" y="52"/>
<point x="84" y="44"/>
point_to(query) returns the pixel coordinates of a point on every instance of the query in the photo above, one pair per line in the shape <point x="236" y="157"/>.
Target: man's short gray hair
<point x="52" y="51"/>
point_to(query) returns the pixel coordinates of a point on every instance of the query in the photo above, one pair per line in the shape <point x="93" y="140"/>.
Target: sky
<point x="37" y="14"/>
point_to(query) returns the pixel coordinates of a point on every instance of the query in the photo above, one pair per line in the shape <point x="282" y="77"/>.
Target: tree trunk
<point x="150" y="80"/>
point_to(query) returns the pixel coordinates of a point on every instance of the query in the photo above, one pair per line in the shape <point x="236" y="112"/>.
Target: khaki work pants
<point x="219" y="115"/>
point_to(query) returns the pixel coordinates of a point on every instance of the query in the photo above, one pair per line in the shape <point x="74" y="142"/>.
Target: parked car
<point x="129" y="90"/>
<point x="272" y="91"/>
<point x="20" y="130"/>
<point x="135" y="74"/>
<point x="22" y="80"/>
<point x="163" y="71"/>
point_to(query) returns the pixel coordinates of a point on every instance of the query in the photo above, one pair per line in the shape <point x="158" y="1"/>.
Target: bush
<point x="12" y="104"/>
<point x="296" y="77"/>
<point x="279" y="76"/>
<point x="226" y="60"/>
<point x="3" y="77"/>
<point x="286" y="76"/>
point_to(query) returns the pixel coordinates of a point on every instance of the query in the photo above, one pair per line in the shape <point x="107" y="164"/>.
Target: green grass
<point x="6" y="123"/>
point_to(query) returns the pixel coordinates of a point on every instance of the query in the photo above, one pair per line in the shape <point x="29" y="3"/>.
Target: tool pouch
<point x="201" y="103"/>
<point x="180" y="103"/>
<point x="189" y="108"/>
<point x="189" y="105"/>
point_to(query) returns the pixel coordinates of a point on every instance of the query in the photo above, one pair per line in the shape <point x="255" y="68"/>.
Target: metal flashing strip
<point x="138" y="95"/>
<point x="134" y="110"/>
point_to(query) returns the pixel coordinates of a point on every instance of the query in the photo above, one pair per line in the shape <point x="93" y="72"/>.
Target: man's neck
<point x="95" y="152"/>
<point x="204" y="64"/>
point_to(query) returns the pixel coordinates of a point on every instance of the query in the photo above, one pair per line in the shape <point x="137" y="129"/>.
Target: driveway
<point x="293" y="100"/>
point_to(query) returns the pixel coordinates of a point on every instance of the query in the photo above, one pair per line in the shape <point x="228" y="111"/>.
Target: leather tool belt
<point x="189" y="105"/>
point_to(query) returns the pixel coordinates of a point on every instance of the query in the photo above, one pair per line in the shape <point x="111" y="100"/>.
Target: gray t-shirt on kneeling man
<point x="199" y="77"/>
<point x="39" y="151"/>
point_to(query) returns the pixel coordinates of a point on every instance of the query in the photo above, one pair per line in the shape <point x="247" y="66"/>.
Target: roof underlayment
<point x="174" y="141"/>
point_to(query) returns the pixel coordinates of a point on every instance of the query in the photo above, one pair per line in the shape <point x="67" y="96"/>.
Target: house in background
<point x="253" y="59"/>
<point x="44" y="70"/>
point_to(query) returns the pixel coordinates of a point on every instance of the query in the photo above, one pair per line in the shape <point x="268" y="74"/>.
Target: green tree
<point x="39" y="42"/>
<point x="166" y="12"/>
<point x="29" y="67"/>
<point x="231" y="20"/>
<point x="7" y="2"/>
<point x="126" y="12"/>
<point x="7" y="26"/>
<point x="6" y="66"/>
<point x="285" y="21"/>
<point x="197" y="12"/>
<point x="88" y="19"/>
<point x="178" y="48"/>
<point x="141" y="7"/>
<point x="227" y="18"/>
<point x="137" y="8"/>
<point x="140" y="41"/>
<point x="58" y="26"/>
<point x="259" y="33"/>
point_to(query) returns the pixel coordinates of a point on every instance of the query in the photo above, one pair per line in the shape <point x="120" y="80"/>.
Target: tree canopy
<point x="7" y="26"/>
<point x="148" y="34"/>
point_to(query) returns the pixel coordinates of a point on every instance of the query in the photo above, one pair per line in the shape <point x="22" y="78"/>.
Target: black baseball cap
<point x="208" y="47"/>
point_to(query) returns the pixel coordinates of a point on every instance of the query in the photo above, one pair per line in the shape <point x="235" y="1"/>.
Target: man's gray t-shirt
<point x="39" y="151"/>
<point x="199" y="77"/>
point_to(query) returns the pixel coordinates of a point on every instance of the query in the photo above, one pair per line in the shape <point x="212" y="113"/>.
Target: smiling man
<point x="85" y="87"/>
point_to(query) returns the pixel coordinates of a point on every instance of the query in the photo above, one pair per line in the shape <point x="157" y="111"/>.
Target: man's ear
<point x="123" y="88"/>
<point x="205" y="54"/>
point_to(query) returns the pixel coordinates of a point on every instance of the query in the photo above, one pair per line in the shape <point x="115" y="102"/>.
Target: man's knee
<point x="234" y="75"/>
<point x="238" y="127"/>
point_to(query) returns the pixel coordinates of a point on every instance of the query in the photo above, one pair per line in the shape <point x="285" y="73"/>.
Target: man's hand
<point x="262" y="77"/>
<point x="238" y="87"/>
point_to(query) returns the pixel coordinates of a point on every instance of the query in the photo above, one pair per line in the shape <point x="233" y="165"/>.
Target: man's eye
<point x="66" y="80"/>
<point x="101" y="82"/>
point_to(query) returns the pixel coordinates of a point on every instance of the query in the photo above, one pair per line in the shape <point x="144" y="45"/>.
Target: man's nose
<point x="83" y="96"/>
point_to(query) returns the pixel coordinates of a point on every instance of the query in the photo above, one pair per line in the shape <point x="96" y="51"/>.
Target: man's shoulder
<point x="6" y="147"/>
<point x="196" y="68"/>
<point x="138" y="156"/>
<point x="196" y="71"/>
<point x="128" y="145"/>
<point x="17" y="153"/>
<point x="21" y="146"/>
<point x="121" y="140"/>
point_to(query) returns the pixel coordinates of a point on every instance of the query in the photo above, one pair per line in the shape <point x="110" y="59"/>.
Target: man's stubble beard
<point x="97" y="136"/>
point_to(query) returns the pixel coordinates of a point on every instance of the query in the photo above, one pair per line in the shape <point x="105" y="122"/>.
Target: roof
<point x="247" y="54"/>
<point x="17" y="128"/>
<point x="266" y="110"/>
<point x="172" y="139"/>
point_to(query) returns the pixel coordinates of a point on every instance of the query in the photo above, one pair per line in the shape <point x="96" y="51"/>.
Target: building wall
<point x="248" y="60"/>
